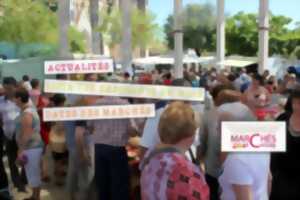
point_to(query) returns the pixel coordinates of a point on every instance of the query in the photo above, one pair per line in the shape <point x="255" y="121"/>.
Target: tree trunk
<point x="64" y="23"/>
<point x="94" y="18"/>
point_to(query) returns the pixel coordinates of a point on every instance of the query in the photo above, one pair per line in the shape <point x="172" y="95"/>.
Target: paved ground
<point x="49" y="192"/>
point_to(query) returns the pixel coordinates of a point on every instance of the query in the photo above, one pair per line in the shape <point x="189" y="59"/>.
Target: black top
<point x="285" y="167"/>
<point x="287" y="163"/>
<point x="81" y="124"/>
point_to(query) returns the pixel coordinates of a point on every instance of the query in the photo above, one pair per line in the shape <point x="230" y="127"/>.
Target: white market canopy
<point x="170" y="60"/>
<point x="238" y="61"/>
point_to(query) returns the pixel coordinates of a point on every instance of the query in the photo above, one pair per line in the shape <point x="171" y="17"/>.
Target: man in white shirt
<point x="245" y="176"/>
<point x="8" y="113"/>
<point x="150" y="136"/>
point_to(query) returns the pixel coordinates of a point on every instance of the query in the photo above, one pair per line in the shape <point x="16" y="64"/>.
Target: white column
<point x="220" y="33"/>
<point x="263" y="35"/>
<point x="64" y="24"/>
<point x="178" y="34"/>
<point x="126" y="49"/>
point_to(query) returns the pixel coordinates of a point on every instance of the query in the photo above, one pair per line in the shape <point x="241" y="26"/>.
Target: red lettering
<point x="89" y="66"/>
<point x="70" y="67"/>
<point x="234" y="138"/>
<point x="77" y="67"/>
<point x="63" y="67"/>
<point x="57" y="67"/>
<point x="83" y="67"/>
<point x="94" y="65"/>
<point x="252" y="141"/>
<point x="106" y="66"/>
<point x="100" y="66"/>
<point x="50" y="68"/>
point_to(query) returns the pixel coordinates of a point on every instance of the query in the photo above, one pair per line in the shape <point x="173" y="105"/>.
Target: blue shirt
<point x="160" y="104"/>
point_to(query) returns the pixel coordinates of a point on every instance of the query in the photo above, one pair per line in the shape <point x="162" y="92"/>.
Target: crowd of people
<point x="179" y="150"/>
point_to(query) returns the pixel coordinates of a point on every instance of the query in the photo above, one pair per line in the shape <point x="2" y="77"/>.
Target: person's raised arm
<point x="242" y="192"/>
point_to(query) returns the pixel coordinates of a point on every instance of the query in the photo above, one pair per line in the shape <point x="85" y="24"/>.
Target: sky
<point x="291" y="8"/>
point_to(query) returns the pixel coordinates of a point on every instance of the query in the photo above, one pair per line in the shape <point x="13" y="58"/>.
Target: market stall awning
<point x="169" y="60"/>
<point x="238" y="61"/>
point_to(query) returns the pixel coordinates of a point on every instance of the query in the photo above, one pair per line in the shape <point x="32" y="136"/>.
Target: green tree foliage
<point x="144" y="30"/>
<point x="28" y="24"/>
<point x="199" y="27"/>
<point x="242" y="35"/>
<point x="26" y="21"/>
<point x="76" y="40"/>
<point x="199" y="30"/>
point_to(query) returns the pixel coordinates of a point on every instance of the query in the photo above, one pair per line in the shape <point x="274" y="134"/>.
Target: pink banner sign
<point x="78" y="66"/>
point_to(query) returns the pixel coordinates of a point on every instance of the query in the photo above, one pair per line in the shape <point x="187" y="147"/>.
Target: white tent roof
<point x="238" y="61"/>
<point x="169" y="60"/>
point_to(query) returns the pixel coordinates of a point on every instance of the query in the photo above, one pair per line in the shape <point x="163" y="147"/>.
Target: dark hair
<point x="294" y="94"/>
<point x="87" y="76"/>
<point x="126" y="75"/>
<point x="168" y="76"/>
<point x="219" y="88"/>
<point x="61" y="77"/>
<point x="25" y="78"/>
<point x="58" y="99"/>
<point x="181" y="83"/>
<point x="288" y="106"/>
<point x="9" y="81"/>
<point x="34" y="83"/>
<point x="23" y="94"/>
<point x="259" y="78"/>
<point x="231" y="77"/>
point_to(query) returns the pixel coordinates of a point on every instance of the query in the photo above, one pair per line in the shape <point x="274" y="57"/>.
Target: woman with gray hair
<point x="166" y="172"/>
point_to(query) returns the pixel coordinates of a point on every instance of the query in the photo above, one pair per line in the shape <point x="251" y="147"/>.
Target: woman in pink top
<point x="166" y="173"/>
